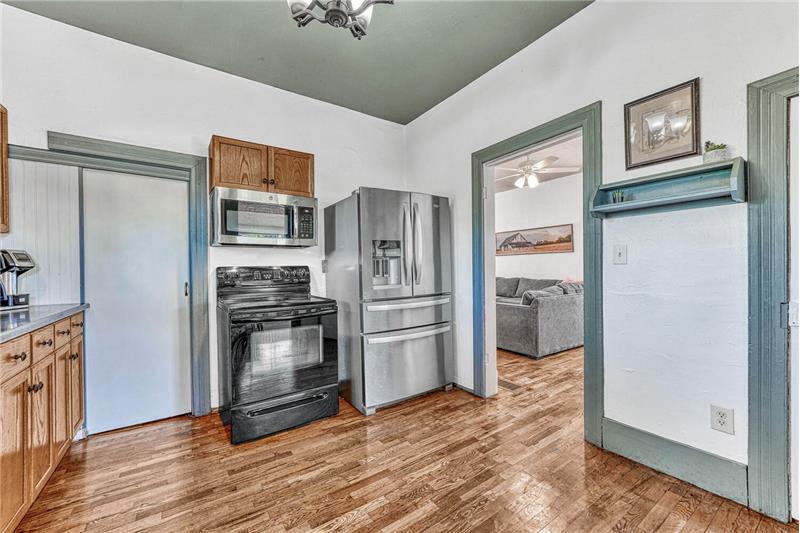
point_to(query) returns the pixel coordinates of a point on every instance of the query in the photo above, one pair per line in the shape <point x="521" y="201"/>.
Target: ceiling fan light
<point x="296" y="6"/>
<point x="520" y="183"/>
<point x="365" y="17"/>
<point x="533" y="181"/>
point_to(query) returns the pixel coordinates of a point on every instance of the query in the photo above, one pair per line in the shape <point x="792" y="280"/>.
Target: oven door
<point x="265" y="219"/>
<point x="272" y="356"/>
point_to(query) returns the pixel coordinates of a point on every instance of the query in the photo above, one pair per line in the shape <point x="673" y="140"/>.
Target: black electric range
<point x="278" y="360"/>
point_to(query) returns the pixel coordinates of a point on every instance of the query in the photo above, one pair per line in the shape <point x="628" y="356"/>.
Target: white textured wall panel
<point x="45" y="222"/>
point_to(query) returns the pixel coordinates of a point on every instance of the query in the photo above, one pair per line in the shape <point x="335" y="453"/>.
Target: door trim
<point x="768" y="447"/>
<point x="96" y="154"/>
<point x="588" y="119"/>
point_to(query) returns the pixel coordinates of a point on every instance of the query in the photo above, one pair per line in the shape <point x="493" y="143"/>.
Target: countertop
<point x="16" y="323"/>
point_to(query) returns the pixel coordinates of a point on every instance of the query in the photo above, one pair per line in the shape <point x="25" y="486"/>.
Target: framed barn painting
<point x="546" y="240"/>
<point x="663" y="126"/>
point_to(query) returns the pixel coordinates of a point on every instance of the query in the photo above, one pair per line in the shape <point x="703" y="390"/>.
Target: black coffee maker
<point x="13" y="264"/>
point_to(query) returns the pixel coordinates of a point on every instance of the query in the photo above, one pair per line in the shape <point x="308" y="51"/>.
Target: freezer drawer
<point x="406" y="313"/>
<point x="400" y="364"/>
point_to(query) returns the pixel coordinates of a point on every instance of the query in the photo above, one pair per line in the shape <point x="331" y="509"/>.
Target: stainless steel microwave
<point x="254" y="218"/>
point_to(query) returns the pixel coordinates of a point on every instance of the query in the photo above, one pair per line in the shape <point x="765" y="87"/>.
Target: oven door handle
<point x="409" y="305"/>
<point x="247" y="318"/>
<point x="408" y="336"/>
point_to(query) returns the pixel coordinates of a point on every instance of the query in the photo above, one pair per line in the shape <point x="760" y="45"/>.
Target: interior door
<point x="136" y="262"/>
<point x="386" y="255"/>
<point x="431" y="228"/>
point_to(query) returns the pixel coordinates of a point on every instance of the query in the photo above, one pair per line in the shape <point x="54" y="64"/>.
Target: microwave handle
<point x="295" y="222"/>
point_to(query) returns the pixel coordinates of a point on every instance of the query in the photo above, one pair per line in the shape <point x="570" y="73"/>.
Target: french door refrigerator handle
<point x="408" y="336"/>
<point x="417" y="245"/>
<point x="409" y="305"/>
<point x="406" y="233"/>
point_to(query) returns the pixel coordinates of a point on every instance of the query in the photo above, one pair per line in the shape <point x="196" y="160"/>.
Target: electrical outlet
<point x="722" y="419"/>
<point x="620" y="254"/>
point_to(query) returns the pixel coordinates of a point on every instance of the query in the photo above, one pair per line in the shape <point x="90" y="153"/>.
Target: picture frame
<point x="542" y="240"/>
<point x="663" y="126"/>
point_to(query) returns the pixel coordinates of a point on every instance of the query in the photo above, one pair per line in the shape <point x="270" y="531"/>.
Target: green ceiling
<point x="416" y="53"/>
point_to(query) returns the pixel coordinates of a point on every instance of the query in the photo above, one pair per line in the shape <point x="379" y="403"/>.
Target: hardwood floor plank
<point x="444" y="462"/>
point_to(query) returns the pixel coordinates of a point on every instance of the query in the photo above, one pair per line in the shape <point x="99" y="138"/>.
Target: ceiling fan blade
<point x="515" y="175"/>
<point x="558" y="170"/>
<point x="505" y="168"/>
<point x="547" y="161"/>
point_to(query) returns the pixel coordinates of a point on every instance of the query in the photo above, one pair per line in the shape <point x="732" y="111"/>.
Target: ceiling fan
<point x="528" y="172"/>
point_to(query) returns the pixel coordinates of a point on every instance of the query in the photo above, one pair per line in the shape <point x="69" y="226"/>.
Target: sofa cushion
<point x="547" y="292"/>
<point x="571" y="287"/>
<point x="528" y="284"/>
<point x="507" y="287"/>
<point x="507" y="300"/>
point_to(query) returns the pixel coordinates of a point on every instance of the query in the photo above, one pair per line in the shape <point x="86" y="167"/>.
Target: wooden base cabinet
<point x="76" y="383"/>
<point x="14" y="451"/>
<point x="41" y="410"/>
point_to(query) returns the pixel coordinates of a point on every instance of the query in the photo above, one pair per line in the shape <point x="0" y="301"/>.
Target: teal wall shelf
<point x="705" y="185"/>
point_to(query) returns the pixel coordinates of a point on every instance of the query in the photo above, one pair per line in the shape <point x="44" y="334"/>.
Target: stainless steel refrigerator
<point x="388" y="257"/>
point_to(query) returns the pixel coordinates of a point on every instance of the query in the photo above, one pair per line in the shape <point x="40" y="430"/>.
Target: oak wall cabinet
<point x="41" y="410"/>
<point x="258" y="167"/>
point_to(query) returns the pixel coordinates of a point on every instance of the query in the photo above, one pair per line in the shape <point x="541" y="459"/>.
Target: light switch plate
<point x="620" y="254"/>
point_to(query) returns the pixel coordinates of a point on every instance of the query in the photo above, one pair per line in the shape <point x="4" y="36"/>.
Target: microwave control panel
<point x="305" y="223"/>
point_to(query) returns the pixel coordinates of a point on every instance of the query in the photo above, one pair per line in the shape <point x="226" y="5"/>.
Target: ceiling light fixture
<point x="351" y="14"/>
<point x="528" y="180"/>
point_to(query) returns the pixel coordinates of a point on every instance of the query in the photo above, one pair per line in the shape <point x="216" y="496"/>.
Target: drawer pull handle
<point x="78" y="324"/>
<point x="20" y="356"/>
<point x="63" y="332"/>
<point x="409" y="336"/>
<point x="36" y="387"/>
<point x="409" y="305"/>
<point x="73" y="356"/>
<point x="42" y="342"/>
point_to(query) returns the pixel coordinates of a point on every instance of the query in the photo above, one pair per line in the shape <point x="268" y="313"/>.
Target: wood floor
<point x="444" y="462"/>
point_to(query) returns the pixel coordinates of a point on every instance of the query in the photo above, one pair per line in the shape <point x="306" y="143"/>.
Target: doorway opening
<point x="524" y="159"/>
<point x="538" y="226"/>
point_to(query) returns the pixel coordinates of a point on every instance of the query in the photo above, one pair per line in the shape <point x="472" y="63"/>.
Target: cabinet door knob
<point x="20" y="356"/>
<point x="264" y="180"/>
<point x="79" y="324"/>
<point x="73" y="356"/>
<point x="31" y="388"/>
<point x="272" y="181"/>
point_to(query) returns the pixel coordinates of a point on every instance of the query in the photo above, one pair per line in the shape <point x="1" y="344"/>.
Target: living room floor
<point x="447" y="461"/>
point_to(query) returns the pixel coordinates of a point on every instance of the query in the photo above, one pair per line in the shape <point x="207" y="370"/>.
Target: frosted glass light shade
<point x="364" y="17"/>
<point x="297" y="6"/>
<point x="533" y="181"/>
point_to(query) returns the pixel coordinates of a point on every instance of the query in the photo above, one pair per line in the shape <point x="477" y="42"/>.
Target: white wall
<point x="552" y="203"/>
<point x="60" y="78"/>
<point x="618" y="52"/>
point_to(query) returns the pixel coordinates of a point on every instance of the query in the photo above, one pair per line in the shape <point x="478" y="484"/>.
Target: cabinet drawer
<point x="76" y="325"/>
<point x="15" y="355"/>
<point x="42" y="342"/>
<point x="63" y="332"/>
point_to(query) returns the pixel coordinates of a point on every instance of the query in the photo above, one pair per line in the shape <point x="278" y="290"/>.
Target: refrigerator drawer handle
<point x="408" y="337"/>
<point x="410" y="305"/>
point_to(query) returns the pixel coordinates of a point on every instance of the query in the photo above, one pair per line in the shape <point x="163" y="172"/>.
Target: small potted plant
<point x="715" y="152"/>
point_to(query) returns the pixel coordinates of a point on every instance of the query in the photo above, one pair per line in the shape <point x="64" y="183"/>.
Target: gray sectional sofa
<point x="539" y="317"/>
